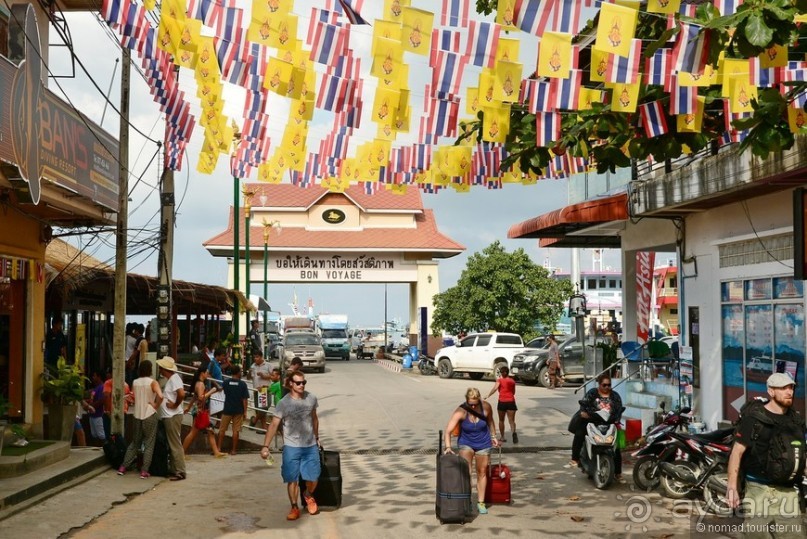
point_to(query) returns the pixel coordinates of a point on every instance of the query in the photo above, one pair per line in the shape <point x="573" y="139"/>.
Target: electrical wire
<point x="744" y="204"/>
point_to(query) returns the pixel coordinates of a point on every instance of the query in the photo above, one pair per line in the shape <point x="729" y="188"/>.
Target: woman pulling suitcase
<point x="477" y="434"/>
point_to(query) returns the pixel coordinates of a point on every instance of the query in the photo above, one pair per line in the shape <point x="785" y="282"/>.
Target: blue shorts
<point x="300" y="462"/>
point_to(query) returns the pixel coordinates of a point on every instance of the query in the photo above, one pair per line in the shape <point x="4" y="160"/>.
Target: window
<point x="467" y="341"/>
<point x="611" y="283"/>
<point x="674" y="311"/>
<point x="509" y="339"/>
<point x="592" y="284"/>
<point x="602" y="283"/>
<point x="483" y="340"/>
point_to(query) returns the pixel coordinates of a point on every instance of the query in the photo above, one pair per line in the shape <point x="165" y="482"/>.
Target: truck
<point x="297" y="323"/>
<point x="305" y="345"/>
<point x="334" y="331"/>
<point x="478" y="354"/>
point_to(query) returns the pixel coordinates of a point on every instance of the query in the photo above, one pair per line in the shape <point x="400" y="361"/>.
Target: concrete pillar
<point x="230" y="284"/>
<point x="628" y="296"/>
<point x="428" y="284"/>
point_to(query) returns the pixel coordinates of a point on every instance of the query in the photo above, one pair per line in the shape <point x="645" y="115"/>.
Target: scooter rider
<point x="598" y="398"/>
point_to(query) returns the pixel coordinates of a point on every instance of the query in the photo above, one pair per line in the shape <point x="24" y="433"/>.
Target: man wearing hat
<point x="171" y="414"/>
<point x="769" y="452"/>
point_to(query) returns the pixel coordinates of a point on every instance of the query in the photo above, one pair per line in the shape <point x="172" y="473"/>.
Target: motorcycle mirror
<point x="662" y="405"/>
<point x="685" y="410"/>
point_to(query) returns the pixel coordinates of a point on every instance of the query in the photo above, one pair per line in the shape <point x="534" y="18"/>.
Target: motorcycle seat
<point x="716" y="436"/>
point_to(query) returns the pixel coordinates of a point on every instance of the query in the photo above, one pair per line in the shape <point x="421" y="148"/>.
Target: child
<point x="275" y="388"/>
<point x="236" y="395"/>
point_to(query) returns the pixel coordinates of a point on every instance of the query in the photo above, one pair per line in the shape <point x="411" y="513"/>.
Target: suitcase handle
<point x="490" y="464"/>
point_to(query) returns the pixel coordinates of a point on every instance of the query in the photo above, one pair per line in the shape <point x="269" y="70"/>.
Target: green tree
<point x="500" y="291"/>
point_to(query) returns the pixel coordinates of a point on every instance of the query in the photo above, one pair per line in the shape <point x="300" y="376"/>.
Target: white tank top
<point x="144" y="396"/>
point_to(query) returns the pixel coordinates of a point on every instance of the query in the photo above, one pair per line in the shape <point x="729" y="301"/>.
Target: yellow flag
<point x="185" y="58"/>
<point x="599" y="65"/>
<point x="555" y="55"/>
<point x="386" y="29"/>
<point x="206" y="163"/>
<point x="386" y="130"/>
<point x="663" y="6"/>
<point x="295" y="159"/>
<point x="260" y="29"/>
<point x="393" y="9"/>
<point x="487" y="84"/>
<point x="775" y="56"/>
<point x="505" y="15"/>
<point x="385" y="104"/>
<point x="397" y="189"/>
<point x="296" y="83"/>
<point x="284" y="35"/>
<point x="472" y="101"/>
<point x="461" y="187"/>
<point x="380" y="152"/>
<point x="168" y="35"/>
<point x="207" y="63"/>
<point x="507" y="50"/>
<point x="387" y="60"/>
<point x="616" y="29"/>
<point x="625" y="97"/>
<point x="797" y="120"/>
<point x="277" y="76"/>
<point x="587" y="96"/>
<point x="691" y="123"/>
<point x="302" y="109"/>
<point x="150" y="4"/>
<point x="507" y="82"/>
<point x="496" y="123"/>
<point x="402" y="120"/>
<point x="346" y="171"/>
<point x="209" y="91"/>
<point x="263" y="8"/>
<point x="742" y="93"/>
<point x="175" y="9"/>
<point x="416" y="33"/>
<point x="211" y="114"/>
<point x="294" y="138"/>
<point x="732" y="69"/>
<point x="189" y="34"/>
<point x="707" y="78"/>
<point x="265" y="172"/>
<point x="398" y="81"/>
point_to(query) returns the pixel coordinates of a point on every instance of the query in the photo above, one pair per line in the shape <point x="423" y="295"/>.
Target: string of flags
<point x="258" y="49"/>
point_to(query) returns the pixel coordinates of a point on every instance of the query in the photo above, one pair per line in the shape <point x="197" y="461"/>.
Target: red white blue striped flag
<point x="654" y="120"/>
<point x="683" y="99"/>
<point x="625" y="69"/>
<point x="113" y="11"/>
<point x="657" y="68"/>
<point x="727" y="7"/>
<point x="329" y="43"/>
<point x="483" y="41"/>
<point x="455" y="13"/>
<point x="547" y="128"/>
<point x="335" y="92"/>
<point x="566" y="92"/>
<point x="532" y="16"/>
<point x="447" y="72"/>
<point x="762" y="76"/>
<point x="318" y="17"/>
<point x="442" y="117"/>
<point x="567" y="16"/>
<point x="539" y="97"/>
<point x="133" y="25"/>
<point x="350" y="9"/>
<point x="207" y="11"/>
<point x="445" y="39"/>
<point x="691" y="49"/>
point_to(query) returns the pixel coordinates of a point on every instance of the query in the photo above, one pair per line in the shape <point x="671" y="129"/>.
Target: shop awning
<point x="593" y="223"/>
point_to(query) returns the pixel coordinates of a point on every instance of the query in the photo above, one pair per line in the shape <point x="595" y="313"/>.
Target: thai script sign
<point x="312" y="267"/>
<point x="644" y="291"/>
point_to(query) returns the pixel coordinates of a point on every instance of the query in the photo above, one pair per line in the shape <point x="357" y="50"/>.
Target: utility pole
<point x="165" y="261"/>
<point x="121" y="251"/>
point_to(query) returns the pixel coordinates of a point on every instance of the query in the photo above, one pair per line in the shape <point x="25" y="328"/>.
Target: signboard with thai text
<point x="644" y="293"/>
<point x="339" y="268"/>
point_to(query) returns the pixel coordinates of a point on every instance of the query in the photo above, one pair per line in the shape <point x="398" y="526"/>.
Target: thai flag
<point x="494" y="183"/>
<point x="540" y="97"/>
<point x="653" y="119"/>
<point x="732" y="134"/>
<point x="567" y="16"/>
<point x="330" y="42"/>
<point x="683" y="99"/>
<point x="762" y="76"/>
<point x="146" y="46"/>
<point x="401" y="159"/>
<point x="547" y="128"/>
<point x="238" y="73"/>
<point x="455" y="13"/>
<point x="257" y="67"/>
<point x="532" y="16"/>
<point x="447" y="73"/>
<point x="483" y="41"/>
<point x="229" y="39"/>
<point x="352" y="12"/>
<point x="422" y="156"/>
<point x="727" y="7"/>
<point x="688" y="9"/>
<point x="446" y="40"/>
<point x="319" y="17"/>
<point x="442" y="119"/>
<point x="174" y="151"/>
<point x="255" y="104"/>
<point x="312" y="165"/>
<point x="113" y="11"/>
<point x="344" y="66"/>
<point x="657" y="68"/>
<point x="182" y="122"/>
<point x="133" y="25"/>
<point x="207" y="11"/>
<point x="691" y="49"/>
<point x="625" y="69"/>
<point x="430" y="188"/>
<point x="334" y="92"/>
<point x="566" y="92"/>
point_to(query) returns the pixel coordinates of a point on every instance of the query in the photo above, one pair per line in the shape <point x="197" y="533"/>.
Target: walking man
<point x="298" y="412"/>
<point x="236" y="395"/>
<point x="769" y="452"/>
<point x="260" y="372"/>
<point x="171" y="414"/>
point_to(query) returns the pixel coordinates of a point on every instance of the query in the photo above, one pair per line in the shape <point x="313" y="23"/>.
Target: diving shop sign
<point x="338" y="268"/>
<point x="42" y="136"/>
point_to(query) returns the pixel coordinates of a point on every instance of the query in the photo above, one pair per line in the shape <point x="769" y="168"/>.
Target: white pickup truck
<point x="478" y="354"/>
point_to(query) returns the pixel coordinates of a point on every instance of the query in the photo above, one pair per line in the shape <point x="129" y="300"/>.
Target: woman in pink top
<point x="147" y="399"/>
<point x="506" y="386"/>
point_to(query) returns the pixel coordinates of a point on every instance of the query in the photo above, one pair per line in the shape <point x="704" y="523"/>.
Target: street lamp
<point x="236" y="237"/>
<point x="248" y="194"/>
<point x="577" y="309"/>
<point x="267" y="226"/>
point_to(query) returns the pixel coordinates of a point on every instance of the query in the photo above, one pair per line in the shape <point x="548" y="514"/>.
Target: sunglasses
<point x="605" y="385"/>
<point x="472" y="403"/>
<point x="302" y="383"/>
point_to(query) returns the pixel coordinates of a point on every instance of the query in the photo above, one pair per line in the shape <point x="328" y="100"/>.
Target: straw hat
<point x="167" y="363"/>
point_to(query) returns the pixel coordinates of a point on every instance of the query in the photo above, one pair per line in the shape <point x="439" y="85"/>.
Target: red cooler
<point x="633" y="430"/>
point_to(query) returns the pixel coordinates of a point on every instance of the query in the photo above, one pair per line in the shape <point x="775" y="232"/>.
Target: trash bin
<point x="407" y="361"/>
<point x="413" y="351"/>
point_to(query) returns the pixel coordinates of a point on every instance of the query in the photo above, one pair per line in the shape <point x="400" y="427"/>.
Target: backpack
<point x="785" y="455"/>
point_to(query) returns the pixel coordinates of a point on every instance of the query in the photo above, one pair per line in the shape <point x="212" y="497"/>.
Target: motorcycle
<point x="704" y="456"/>
<point x="646" y="468"/>
<point x="426" y="365"/>
<point x="597" y="457"/>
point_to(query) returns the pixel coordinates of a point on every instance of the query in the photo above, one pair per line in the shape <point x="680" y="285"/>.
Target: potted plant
<point x="62" y="390"/>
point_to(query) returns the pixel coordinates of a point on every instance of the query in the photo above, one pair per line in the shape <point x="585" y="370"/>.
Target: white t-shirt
<point x="131" y="342"/>
<point x="256" y="369"/>
<point x="170" y="390"/>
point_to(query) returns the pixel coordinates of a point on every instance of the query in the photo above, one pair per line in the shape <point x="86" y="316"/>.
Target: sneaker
<point x="144" y="475"/>
<point x="122" y="470"/>
<point x="619" y="479"/>
<point x="310" y="504"/>
<point x="294" y="513"/>
<point x="515" y="438"/>
<point x="482" y="509"/>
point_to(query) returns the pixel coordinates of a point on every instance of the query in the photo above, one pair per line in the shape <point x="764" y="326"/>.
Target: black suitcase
<point x="115" y="450"/>
<point x="160" y="464"/>
<point x="329" y="487"/>
<point x="453" y="500"/>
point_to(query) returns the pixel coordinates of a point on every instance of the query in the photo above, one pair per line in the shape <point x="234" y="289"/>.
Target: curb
<point x="393" y="366"/>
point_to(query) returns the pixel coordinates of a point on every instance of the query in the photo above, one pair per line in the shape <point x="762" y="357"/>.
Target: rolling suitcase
<point x="498" y="488"/>
<point x="160" y="458"/>
<point x="329" y="487"/>
<point x="453" y="499"/>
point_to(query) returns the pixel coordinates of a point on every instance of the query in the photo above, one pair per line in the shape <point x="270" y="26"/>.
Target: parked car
<point x="306" y="345"/>
<point x="478" y="354"/>
<point x="540" y="342"/>
<point x="530" y="366"/>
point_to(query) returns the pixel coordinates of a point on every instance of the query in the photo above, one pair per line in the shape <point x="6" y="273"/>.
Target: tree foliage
<point x="500" y="291"/>
<point x="612" y="139"/>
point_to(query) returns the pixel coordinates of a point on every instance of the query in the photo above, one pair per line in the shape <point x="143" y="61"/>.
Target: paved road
<point x="385" y="424"/>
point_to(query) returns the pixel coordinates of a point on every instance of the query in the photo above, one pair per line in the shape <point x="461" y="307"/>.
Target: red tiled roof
<point x="285" y="195"/>
<point x="424" y="238"/>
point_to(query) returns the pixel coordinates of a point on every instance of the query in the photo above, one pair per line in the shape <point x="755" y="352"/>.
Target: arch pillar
<point x="421" y="293"/>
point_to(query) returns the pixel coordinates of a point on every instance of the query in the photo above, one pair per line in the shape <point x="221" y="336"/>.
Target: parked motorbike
<point x="704" y="456"/>
<point x="646" y="468"/>
<point x="597" y="457"/>
<point x="426" y="366"/>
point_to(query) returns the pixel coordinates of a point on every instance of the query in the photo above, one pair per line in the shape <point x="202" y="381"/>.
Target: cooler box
<point x="633" y="430"/>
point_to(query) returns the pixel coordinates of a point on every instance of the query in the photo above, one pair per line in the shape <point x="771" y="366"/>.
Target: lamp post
<point x="267" y="226"/>
<point x="247" y="209"/>
<point x="236" y="240"/>
<point x="577" y="309"/>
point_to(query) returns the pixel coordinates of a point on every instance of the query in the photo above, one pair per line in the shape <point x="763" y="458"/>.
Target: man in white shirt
<point x="171" y="411"/>
<point x="261" y="374"/>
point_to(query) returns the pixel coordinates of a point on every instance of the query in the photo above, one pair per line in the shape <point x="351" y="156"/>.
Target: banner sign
<point x="644" y="293"/>
<point x="344" y="268"/>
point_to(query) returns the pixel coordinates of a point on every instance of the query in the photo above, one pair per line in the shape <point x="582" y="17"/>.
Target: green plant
<point x="19" y="431"/>
<point x="5" y="406"/>
<point x="65" y="386"/>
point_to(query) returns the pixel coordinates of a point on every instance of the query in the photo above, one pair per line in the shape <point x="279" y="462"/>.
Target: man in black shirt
<point x="55" y="345"/>
<point x="769" y="452"/>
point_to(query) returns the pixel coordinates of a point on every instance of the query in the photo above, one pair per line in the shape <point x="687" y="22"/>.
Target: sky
<point x="475" y="220"/>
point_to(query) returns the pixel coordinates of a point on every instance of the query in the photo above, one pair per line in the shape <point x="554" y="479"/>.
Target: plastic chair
<point x="632" y="350"/>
